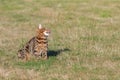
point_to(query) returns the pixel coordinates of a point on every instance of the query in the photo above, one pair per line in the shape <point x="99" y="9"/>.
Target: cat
<point x="37" y="46"/>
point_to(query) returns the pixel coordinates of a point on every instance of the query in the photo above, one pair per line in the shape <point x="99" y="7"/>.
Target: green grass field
<point x="84" y="43"/>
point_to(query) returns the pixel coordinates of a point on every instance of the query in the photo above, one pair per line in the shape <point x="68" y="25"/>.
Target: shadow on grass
<point x="57" y="52"/>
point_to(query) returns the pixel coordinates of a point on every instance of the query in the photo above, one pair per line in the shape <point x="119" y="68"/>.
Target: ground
<point x="84" y="43"/>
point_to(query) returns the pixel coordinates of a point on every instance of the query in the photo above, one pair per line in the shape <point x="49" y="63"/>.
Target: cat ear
<point x="40" y="26"/>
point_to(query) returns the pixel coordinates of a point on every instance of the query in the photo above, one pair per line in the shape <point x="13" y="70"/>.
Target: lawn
<point x="84" y="43"/>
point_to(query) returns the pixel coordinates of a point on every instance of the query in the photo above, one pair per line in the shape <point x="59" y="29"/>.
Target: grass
<point x="84" y="43"/>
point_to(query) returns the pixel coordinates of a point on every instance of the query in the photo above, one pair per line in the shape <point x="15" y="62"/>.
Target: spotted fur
<point x="37" y="46"/>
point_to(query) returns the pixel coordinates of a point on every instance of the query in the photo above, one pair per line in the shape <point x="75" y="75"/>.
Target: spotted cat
<point x="37" y="46"/>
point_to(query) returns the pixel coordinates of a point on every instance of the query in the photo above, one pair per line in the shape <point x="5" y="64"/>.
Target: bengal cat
<point x="37" y="46"/>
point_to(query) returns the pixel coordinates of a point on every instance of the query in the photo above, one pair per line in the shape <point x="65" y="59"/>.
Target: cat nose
<point x="49" y="31"/>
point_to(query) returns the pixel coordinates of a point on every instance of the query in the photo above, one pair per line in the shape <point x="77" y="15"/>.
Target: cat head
<point x="43" y="32"/>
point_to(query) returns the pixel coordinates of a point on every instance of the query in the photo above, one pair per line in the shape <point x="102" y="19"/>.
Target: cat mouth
<point x="46" y="33"/>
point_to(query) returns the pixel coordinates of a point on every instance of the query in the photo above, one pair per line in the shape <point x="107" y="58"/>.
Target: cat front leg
<point x="44" y="55"/>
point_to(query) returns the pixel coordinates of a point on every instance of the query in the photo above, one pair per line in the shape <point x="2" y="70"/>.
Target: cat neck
<point x="41" y="37"/>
